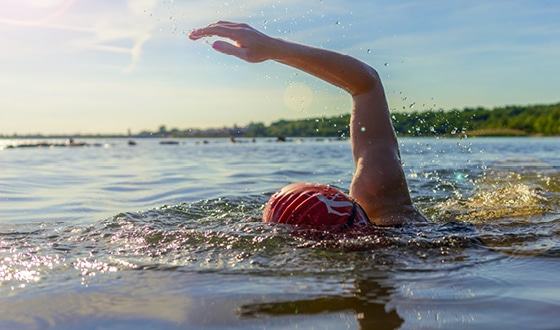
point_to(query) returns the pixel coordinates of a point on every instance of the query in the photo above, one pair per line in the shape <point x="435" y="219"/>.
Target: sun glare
<point x="33" y="12"/>
<point x="298" y="96"/>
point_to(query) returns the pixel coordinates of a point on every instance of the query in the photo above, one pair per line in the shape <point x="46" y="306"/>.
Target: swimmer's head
<point x="315" y="206"/>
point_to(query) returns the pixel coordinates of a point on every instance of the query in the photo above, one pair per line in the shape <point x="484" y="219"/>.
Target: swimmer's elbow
<point x="368" y="82"/>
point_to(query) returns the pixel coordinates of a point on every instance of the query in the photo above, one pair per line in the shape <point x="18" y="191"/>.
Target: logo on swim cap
<point x="314" y="206"/>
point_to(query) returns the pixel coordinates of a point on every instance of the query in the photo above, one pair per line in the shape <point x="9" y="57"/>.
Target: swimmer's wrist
<point x="280" y="49"/>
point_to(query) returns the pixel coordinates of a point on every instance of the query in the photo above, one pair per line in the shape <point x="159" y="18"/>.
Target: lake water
<point x="158" y="236"/>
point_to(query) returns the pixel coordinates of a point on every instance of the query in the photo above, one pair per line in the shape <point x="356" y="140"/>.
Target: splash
<point x="514" y="206"/>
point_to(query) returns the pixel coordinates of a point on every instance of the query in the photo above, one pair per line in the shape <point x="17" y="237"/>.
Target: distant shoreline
<point x="504" y="132"/>
<point x="532" y="120"/>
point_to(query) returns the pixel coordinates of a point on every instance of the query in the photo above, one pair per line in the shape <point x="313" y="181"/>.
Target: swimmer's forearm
<point x="253" y="46"/>
<point x="340" y="70"/>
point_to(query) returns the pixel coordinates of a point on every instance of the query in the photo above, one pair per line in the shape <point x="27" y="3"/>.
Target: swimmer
<point x="378" y="192"/>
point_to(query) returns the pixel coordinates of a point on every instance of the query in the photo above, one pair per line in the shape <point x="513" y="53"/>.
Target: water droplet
<point x="412" y="105"/>
<point x="369" y="51"/>
<point x="386" y="64"/>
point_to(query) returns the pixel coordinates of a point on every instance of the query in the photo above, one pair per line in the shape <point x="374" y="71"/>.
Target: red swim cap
<point x="315" y="206"/>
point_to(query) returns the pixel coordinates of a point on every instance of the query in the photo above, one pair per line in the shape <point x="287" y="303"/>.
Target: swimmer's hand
<point x="250" y="45"/>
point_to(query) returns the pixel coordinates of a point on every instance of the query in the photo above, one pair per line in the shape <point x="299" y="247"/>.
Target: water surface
<point x="112" y="236"/>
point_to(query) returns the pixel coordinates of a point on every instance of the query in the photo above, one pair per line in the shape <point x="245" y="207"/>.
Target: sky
<point x="109" y="66"/>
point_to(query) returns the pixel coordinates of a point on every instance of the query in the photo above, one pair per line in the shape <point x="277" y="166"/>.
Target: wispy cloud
<point x="115" y="29"/>
<point x="128" y="26"/>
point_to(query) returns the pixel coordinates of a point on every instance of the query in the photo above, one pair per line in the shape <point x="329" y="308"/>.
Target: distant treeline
<point x="510" y="120"/>
<point x="543" y="120"/>
<point x="506" y="121"/>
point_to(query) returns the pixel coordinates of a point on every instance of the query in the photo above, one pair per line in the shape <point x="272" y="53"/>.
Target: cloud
<point x="114" y="28"/>
<point x="129" y="28"/>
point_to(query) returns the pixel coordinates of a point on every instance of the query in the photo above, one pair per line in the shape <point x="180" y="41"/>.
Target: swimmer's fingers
<point x="221" y="29"/>
<point x="251" y="45"/>
<point x="229" y="49"/>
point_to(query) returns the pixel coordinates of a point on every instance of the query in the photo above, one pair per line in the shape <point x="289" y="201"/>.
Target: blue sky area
<point x="106" y="66"/>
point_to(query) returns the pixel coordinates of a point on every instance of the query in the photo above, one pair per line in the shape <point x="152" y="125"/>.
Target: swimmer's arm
<point x="371" y="115"/>
<point x="253" y="46"/>
<point x="379" y="184"/>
